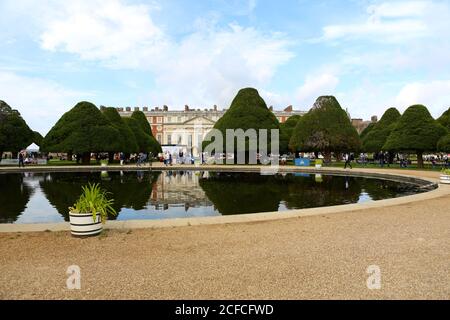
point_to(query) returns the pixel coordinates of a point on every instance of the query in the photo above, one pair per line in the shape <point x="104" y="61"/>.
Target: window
<point x="169" y="139"/>
<point x="158" y="137"/>
<point x="179" y="119"/>
<point x="190" y="140"/>
<point x="159" y="120"/>
<point x="179" y="140"/>
<point x="169" y="119"/>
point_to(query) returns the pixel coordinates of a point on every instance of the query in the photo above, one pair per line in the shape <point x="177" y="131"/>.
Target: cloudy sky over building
<point x="370" y="54"/>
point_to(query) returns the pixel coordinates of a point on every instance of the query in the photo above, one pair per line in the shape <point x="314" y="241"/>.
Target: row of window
<point x="178" y="119"/>
<point x="179" y="139"/>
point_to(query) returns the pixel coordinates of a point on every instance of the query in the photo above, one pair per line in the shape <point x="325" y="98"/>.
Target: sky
<point x="370" y="54"/>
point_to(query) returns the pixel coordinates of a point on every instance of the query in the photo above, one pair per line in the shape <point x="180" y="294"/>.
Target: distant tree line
<point x="326" y="128"/>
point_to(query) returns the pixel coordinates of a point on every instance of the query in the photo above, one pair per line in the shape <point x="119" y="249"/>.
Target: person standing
<point x="170" y="158"/>
<point x="362" y="158"/>
<point x="122" y="158"/>
<point x="21" y="163"/>
<point x="139" y="159"/>
<point x="348" y="160"/>
<point x="387" y="158"/>
<point x="381" y="158"/>
<point x="166" y="159"/>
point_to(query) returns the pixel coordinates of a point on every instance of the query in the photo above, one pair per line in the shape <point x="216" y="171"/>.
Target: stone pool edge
<point x="429" y="182"/>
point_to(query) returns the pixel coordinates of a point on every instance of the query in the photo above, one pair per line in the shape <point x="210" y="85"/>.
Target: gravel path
<point x="302" y="258"/>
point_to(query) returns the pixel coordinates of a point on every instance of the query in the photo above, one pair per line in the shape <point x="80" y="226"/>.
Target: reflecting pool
<point x="45" y="197"/>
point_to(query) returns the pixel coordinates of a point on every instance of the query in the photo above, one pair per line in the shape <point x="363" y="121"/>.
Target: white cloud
<point x="435" y="95"/>
<point x="204" y="67"/>
<point x="115" y="33"/>
<point x="396" y="43"/>
<point x="398" y="9"/>
<point x="40" y="102"/>
<point x="315" y="86"/>
<point x="373" y="98"/>
<point x="211" y="65"/>
<point x="366" y="99"/>
<point x="396" y="22"/>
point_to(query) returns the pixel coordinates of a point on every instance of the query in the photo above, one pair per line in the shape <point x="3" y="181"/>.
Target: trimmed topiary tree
<point x="145" y="142"/>
<point x="247" y="111"/>
<point x="286" y="130"/>
<point x="366" y="131"/>
<point x="128" y="142"/>
<point x="376" y="138"/>
<point x="82" y="130"/>
<point x="325" y="128"/>
<point x="14" y="131"/>
<point x="444" y="119"/>
<point x="416" y="131"/>
<point x="141" y="119"/>
<point x="37" y="138"/>
<point x="443" y="144"/>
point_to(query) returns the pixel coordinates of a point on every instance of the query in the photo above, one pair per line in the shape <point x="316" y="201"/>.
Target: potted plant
<point x="445" y="176"/>
<point x="104" y="163"/>
<point x="90" y="211"/>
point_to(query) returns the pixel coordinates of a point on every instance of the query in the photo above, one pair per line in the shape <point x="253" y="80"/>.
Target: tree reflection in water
<point x="14" y="196"/>
<point x="249" y="193"/>
<point x="129" y="190"/>
<point x="174" y="194"/>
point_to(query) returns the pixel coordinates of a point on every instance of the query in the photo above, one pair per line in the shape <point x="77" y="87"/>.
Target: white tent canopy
<point x="33" y="148"/>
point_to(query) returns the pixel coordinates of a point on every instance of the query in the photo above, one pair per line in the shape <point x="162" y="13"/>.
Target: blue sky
<point x="371" y="55"/>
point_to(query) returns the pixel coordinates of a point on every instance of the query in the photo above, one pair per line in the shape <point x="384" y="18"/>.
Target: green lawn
<point x="427" y="166"/>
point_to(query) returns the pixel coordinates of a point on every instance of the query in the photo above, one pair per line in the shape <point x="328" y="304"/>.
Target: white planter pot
<point x="445" y="178"/>
<point x="318" y="166"/>
<point x="84" y="224"/>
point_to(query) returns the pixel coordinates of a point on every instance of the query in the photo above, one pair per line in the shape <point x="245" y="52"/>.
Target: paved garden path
<point x="321" y="256"/>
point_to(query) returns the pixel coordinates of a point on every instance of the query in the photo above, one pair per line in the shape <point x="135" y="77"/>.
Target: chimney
<point x="145" y="109"/>
<point x="156" y="108"/>
<point x="271" y="108"/>
<point x="186" y="107"/>
<point x="165" y="108"/>
<point x="128" y="109"/>
<point x="215" y="107"/>
<point x="374" y="119"/>
<point x="136" y="108"/>
<point x="288" y="109"/>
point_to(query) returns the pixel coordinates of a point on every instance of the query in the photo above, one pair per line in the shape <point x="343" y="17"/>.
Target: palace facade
<point x="184" y="130"/>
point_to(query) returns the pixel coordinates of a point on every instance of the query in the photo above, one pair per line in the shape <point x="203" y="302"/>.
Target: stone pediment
<point x="199" y="120"/>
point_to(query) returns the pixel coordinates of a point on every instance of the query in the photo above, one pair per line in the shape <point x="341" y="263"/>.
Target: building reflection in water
<point x="179" y="189"/>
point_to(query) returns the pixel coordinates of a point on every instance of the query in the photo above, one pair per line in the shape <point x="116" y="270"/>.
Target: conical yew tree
<point x="415" y="131"/>
<point x="247" y="111"/>
<point x="82" y="130"/>
<point x="325" y="128"/>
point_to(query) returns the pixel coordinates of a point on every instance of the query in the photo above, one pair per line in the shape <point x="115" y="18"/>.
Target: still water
<point x="45" y="197"/>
